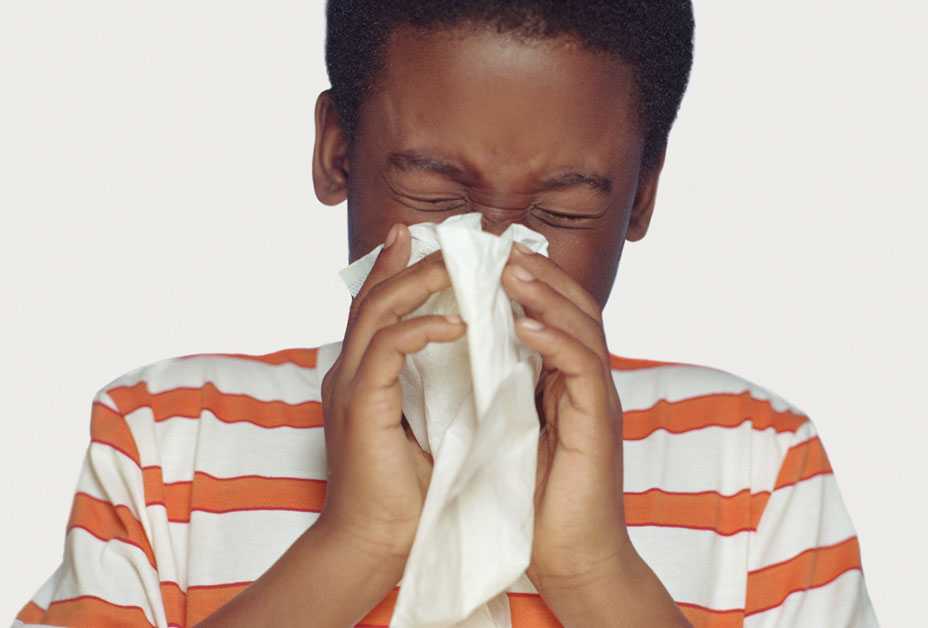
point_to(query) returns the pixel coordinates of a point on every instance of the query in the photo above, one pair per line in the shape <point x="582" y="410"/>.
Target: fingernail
<point x="521" y="273"/>
<point x="531" y="324"/>
<point x="391" y="237"/>
<point x="521" y="248"/>
<point x="454" y="318"/>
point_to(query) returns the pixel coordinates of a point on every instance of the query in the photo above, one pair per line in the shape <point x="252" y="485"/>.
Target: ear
<point x="330" y="153"/>
<point x="643" y="208"/>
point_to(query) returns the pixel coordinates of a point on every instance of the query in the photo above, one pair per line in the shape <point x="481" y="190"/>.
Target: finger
<point x="542" y="302"/>
<point x="391" y="260"/>
<point x="587" y="381"/>
<point x="548" y="271"/>
<point x="376" y="383"/>
<point x="389" y="301"/>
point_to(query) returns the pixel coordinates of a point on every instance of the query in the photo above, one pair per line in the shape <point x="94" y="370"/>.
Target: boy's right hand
<point x="377" y="472"/>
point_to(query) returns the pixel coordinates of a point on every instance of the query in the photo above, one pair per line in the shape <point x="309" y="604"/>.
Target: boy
<point x="668" y="494"/>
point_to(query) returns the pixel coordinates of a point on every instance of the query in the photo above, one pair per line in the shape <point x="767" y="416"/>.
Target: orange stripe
<point x="381" y="614"/>
<point x="31" y="613"/>
<point x="245" y="492"/>
<point x="803" y="461"/>
<point x="255" y="492"/>
<point x="108" y="522"/>
<point x="717" y="409"/>
<point x="702" y="617"/>
<point x="203" y="601"/>
<point x="175" y="603"/>
<point x="93" y="612"/>
<point x="301" y="356"/>
<point x="619" y="363"/>
<point x="110" y="428"/>
<point x="708" y="510"/>
<point x="230" y="408"/>
<point x="769" y="586"/>
<point x="530" y="611"/>
<point x="175" y="497"/>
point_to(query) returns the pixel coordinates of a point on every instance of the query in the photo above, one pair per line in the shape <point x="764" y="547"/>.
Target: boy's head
<point x="551" y="113"/>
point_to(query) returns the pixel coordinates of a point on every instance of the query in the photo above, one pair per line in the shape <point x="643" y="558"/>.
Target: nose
<point x="495" y="220"/>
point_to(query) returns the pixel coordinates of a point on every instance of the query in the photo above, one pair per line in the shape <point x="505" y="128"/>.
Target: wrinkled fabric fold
<point x="471" y="404"/>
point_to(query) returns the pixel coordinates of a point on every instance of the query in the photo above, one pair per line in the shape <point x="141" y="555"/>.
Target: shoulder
<point x="714" y="414"/>
<point x="217" y="415"/>
<point x="690" y="391"/>
<point x="180" y="385"/>
<point x="164" y="412"/>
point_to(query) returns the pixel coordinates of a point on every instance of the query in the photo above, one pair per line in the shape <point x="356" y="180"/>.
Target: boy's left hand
<point x="580" y="534"/>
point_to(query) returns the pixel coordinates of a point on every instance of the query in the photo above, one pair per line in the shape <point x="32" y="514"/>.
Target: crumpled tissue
<point x="471" y="404"/>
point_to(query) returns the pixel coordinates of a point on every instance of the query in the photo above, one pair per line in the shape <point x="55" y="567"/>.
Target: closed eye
<point x="561" y="216"/>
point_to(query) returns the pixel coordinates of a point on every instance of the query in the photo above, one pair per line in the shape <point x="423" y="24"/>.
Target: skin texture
<point x="509" y="115"/>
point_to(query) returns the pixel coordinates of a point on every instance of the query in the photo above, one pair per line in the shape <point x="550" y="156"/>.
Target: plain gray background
<point x="156" y="201"/>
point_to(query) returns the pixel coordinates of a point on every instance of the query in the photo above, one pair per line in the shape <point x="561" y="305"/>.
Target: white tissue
<point x="470" y="403"/>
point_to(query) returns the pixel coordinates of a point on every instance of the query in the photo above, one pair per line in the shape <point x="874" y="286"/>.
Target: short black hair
<point x="654" y="37"/>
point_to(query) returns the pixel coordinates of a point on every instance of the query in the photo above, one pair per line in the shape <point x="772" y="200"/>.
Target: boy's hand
<point x="579" y="512"/>
<point x="377" y="473"/>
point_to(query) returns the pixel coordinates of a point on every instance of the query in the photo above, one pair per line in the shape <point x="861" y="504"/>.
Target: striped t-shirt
<point x="202" y="470"/>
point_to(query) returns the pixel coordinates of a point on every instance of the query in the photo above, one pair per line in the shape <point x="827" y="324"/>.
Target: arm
<point x="332" y="580"/>
<point x="621" y="592"/>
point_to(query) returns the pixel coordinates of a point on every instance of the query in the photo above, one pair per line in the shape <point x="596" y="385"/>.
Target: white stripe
<point x="843" y="602"/>
<point x="171" y="445"/>
<point x="727" y="460"/>
<point x="797" y="518"/>
<point x="240" y="546"/>
<point x="267" y="382"/>
<point x="169" y="542"/>
<point x="177" y="445"/>
<point x="675" y="553"/>
<point x="769" y="450"/>
<point x="113" y="570"/>
<point x="640" y="389"/>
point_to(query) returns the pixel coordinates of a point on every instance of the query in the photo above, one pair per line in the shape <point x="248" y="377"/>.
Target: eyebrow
<point x="411" y="160"/>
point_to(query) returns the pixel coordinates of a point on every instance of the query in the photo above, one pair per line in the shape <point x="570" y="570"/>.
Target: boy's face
<point x="471" y="120"/>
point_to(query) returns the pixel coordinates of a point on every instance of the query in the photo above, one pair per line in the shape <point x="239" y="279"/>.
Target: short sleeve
<point x="108" y="574"/>
<point x="804" y="565"/>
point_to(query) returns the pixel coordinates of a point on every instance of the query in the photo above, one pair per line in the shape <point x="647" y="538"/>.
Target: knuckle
<point x="380" y="339"/>
<point x="372" y="308"/>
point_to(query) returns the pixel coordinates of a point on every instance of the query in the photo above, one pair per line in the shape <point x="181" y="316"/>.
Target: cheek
<point x="590" y="258"/>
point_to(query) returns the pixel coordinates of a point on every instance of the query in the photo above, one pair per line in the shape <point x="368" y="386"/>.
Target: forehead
<point x="474" y="92"/>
